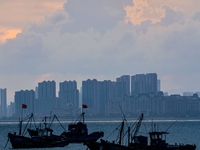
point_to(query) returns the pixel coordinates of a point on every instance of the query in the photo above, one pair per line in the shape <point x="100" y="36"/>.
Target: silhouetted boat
<point x="157" y="141"/>
<point x="20" y="141"/>
<point x="39" y="137"/>
<point x="78" y="132"/>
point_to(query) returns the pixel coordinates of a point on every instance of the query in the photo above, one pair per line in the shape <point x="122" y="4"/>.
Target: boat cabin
<point x="79" y="128"/>
<point x="158" y="138"/>
<point x="141" y="140"/>
<point x="45" y="132"/>
<point x="40" y="132"/>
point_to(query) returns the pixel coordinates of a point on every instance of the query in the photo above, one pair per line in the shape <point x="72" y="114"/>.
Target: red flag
<point x="24" y="106"/>
<point x="84" y="106"/>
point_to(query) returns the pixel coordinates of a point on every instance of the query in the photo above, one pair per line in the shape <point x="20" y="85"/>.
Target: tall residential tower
<point x="144" y="83"/>
<point x="26" y="97"/>
<point x="3" y="102"/>
<point x="46" y="99"/>
<point x="68" y="94"/>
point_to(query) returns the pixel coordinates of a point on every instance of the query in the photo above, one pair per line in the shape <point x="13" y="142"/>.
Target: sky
<point x="65" y="40"/>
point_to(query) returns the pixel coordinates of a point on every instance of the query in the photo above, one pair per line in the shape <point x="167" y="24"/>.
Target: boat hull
<point x="93" y="137"/>
<point x="18" y="141"/>
<point x="105" y="145"/>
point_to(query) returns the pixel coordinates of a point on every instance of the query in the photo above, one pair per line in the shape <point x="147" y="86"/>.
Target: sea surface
<point x="180" y="131"/>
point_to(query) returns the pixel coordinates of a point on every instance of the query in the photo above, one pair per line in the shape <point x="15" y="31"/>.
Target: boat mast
<point x="129" y="135"/>
<point x="137" y="126"/>
<point x="45" y="123"/>
<point x="20" y="126"/>
<point x="122" y="126"/>
<point x="121" y="131"/>
<point x="83" y="116"/>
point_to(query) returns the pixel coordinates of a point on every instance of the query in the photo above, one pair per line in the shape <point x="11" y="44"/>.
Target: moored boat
<point x="135" y="142"/>
<point x="20" y="141"/>
<point x="78" y="132"/>
<point x="38" y="138"/>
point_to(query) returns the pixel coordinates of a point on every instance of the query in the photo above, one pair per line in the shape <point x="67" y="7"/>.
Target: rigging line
<point x="80" y="117"/>
<point x="6" y="143"/>
<point x="124" y="117"/>
<point x="137" y="127"/>
<point x="145" y="127"/>
<point x="29" y="119"/>
<point x="113" y="132"/>
<point x="171" y="125"/>
<point x="60" y="123"/>
<point x="34" y="121"/>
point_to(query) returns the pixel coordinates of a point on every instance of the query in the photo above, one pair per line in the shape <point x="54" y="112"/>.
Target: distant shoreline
<point x="91" y="119"/>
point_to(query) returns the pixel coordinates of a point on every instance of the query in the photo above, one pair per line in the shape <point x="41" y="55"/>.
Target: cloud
<point x="145" y="11"/>
<point x="43" y="77"/>
<point x="99" y="15"/>
<point x="183" y="43"/>
<point x="22" y="54"/>
<point x="8" y="34"/>
<point x="188" y="7"/>
<point x="171" y="16"/>
<point x="196" y="16"/>
<point x="142" y="11"/>
<point x="15" y="15"/>
<point x="18" y="13"/>
<point x="93" y="40"/>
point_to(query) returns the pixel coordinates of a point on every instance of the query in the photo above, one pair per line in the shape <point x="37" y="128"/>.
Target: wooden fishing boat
<point x="78" y="132"/>
<point x="38" y="137"/>
<point x="135" y="142"/>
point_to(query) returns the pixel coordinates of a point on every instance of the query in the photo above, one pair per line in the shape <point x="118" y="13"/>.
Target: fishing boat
<point x="110" y="145"/>
<point x="38" y="137"/>
<point x="135" y="142"/>
<point x="78" y="132"/>
<point x="43" y="133"/>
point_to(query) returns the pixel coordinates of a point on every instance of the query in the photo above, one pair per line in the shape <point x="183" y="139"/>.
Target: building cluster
<point x="100" y="96"/>
<point x="157" y="105"/>
<point x="135" y="94"/>
<point x="44" y="101"/>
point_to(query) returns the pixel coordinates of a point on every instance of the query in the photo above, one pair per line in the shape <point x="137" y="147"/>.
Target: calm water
<point x="181" y="131"/>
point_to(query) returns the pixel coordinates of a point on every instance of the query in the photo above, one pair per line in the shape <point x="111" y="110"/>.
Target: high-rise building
<point x="96" y="94"/>
<point x="68" y="94"/>
<point x="138" y="84"/>
<point x="151" y="83"/>
<point x="26" y="97"/>
<point x="106" y="92"/>
<point x="198" y="93"/>
<point x="123" y="86"/>
<point x="158" y="85"/>
<point x="3" y="102"/>
<point x="144" y="83"/>
<point x="11" y="109"/>
<point x="90" y="94"/>
<point x="47" y="89"/>
<point x="46" y="100"/>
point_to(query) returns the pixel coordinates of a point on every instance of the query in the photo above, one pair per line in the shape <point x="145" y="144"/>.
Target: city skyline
<point x="117" y="79"/>
<point x="103" y="98"/>
<point x="79" y="40"/>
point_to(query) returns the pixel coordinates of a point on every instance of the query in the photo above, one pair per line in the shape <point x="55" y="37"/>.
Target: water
<point x="180" y="131"/>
